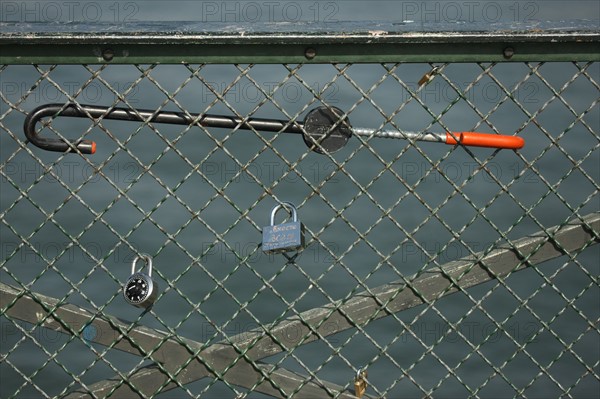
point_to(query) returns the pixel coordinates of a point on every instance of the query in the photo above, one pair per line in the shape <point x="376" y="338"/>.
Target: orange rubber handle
<point x="486" y="140"/>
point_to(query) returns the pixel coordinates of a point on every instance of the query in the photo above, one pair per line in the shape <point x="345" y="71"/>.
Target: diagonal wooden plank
<point x="155" y="345"/>
<point x="397" y="296"/>
<point x="168" y="352"/>
<point x="537" y="248"/>
<point x="331" y="318"/>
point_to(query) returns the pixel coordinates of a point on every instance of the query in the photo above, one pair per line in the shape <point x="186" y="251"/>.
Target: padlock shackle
<point x="148" y="261"/>
<point x="289" y="206"/>
<point x="360" y="374"/>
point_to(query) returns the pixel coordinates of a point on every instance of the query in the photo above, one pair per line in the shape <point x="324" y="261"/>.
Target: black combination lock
<point x="140" y="290"/>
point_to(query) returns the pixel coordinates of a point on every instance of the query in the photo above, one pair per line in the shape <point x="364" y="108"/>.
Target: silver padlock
<point x="286" y="236"/>
<point x="140" y="290"/>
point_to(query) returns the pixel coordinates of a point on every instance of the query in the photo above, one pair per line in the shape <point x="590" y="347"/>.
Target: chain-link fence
<point x="441" y="270"/>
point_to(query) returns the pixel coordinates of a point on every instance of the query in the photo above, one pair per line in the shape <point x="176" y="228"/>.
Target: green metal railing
<point x="441" y="270"/>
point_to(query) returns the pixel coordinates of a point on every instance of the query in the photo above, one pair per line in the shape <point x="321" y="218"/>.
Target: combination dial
<point x="140" y="290"/>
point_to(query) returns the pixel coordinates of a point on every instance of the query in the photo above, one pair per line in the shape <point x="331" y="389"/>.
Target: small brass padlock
<point x="428" y="77"/>
<point x="360" y="383"/>
<point x="286" y="236"/>
<point x="140" y="290"/>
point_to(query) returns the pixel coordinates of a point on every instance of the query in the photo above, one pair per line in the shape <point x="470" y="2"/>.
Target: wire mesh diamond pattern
<point x="442" y="270"/>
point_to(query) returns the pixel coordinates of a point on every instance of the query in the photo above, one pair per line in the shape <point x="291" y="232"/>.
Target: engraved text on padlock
<point x="286" y="236"/>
